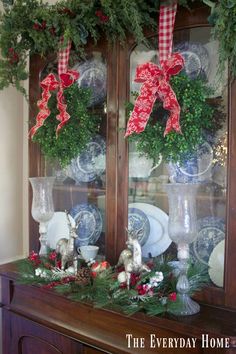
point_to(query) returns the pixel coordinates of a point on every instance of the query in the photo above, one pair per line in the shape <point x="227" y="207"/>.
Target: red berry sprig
<point x="13" y="56"/>
<point x="40" y="26"/>
<point x="103" y="18"/>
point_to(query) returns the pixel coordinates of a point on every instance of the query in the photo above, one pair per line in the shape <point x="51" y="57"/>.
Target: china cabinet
<point x="39" y="318"/>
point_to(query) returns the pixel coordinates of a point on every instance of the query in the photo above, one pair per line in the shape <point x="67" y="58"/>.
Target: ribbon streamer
<point x="155" y="79"/>
<point x="48" y="84"/>
<point x="65" y="79"/>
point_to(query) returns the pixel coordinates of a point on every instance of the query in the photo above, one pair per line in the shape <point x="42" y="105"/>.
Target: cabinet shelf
<point x="199" y="196"/>
<point x="77" y="188"/>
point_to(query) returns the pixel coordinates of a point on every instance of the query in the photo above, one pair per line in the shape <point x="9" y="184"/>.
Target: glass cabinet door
<point x="207" y="165"/>
<point x="80" y="187"/>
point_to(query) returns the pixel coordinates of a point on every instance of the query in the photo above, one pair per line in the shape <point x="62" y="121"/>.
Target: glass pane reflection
<point x="80" y="187"/>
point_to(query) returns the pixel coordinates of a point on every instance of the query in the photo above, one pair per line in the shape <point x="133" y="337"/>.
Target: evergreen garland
<point x="34" y="26"/>
<point x="75" y="134"/>
<point x="104" y="289"/>
<point x="223" y="20"/>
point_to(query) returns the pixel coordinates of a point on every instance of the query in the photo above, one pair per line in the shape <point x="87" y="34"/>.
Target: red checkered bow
<point x="155" y="79"/>
<point x="65" y="79"/>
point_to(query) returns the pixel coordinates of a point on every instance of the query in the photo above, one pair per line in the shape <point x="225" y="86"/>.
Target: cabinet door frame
<point x="115" y="203"/>
<point x="225" y="296"/>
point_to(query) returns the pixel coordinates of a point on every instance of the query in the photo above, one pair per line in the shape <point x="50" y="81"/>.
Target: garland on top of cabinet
<point x="31" y="26"/>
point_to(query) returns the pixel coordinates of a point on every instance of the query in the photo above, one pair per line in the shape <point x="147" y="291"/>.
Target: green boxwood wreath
<point x="197" y="118"/>
<point x="75" y="134"/>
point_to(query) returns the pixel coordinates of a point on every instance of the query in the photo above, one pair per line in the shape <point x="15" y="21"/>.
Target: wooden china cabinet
<point x="39" y="321"/>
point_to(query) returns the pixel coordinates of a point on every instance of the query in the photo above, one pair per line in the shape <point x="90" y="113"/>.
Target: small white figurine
<point x="131" y="258"/>
<point x="66" y="247"/>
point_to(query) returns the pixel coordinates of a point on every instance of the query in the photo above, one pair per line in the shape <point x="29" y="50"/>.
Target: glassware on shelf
<point x="182" y="229"/>
<point x="42" y="209"/>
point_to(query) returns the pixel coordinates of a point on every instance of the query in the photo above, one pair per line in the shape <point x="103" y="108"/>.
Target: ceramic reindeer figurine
<point x="66" y="247"/>
<point x="131" y="258"/>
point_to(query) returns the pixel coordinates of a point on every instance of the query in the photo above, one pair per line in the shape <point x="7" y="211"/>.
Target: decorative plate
<point x="138" y="221"/>
<point x="196" y="59"/>
<point x="90" y="227"/>
<point x="93" y="75"/>
<point x="90" y="164"/>
<point x="195" y="169"/>
<point x="158" y="240"/>
<point x="58" y="228"/>
<point x="216" y="264"/>
<point x="211" y="230"/>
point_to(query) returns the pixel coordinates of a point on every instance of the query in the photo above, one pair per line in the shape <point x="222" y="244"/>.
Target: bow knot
<point x="68" y="78"/>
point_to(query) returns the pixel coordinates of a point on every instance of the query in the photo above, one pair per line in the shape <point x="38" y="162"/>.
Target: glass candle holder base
<point x="187" y="306"/>
<point x="43" y="238"/>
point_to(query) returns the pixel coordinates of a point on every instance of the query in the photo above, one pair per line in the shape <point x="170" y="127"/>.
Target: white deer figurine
<point x="131" y="258"/>
<point x="66" y="247"/>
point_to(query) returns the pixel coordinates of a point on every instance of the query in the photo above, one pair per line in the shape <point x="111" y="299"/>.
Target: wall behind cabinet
<point x="13" y="174"/>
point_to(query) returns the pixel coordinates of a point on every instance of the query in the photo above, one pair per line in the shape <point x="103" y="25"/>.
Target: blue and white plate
<point x="93" y="75"/>
<point x="211" y="230"/>
<point x="194" y="169"/>
<point x="196" y="59"/>
<point x="90" y="226"/>
<point x="91" y="163"/>
<point x="138" y="223"/>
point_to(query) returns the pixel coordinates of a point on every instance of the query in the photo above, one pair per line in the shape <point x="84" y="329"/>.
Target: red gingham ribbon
<point x="156" y="79"/>
<point x="63" y="57"/>
<point x="50" y="83"/>
<point x="166" y="28"/>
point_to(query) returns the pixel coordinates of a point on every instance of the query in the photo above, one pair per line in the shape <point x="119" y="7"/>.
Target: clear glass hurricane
<point x="42" y="209"/>
<point x="182" y="229"/>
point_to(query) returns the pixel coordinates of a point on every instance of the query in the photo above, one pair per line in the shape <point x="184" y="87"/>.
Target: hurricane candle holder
<point x="182" y="227"/>
<point x="42" y="209"/>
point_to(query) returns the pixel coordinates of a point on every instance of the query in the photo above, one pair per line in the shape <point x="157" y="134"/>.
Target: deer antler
<point x="79" y="220"/>
<point x="77" y="223"/>
<point x="68" y="219"/>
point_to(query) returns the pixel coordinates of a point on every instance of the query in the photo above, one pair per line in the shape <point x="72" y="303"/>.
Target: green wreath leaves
<point x="76" y="133"/>
<point x="197" y="118"/>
